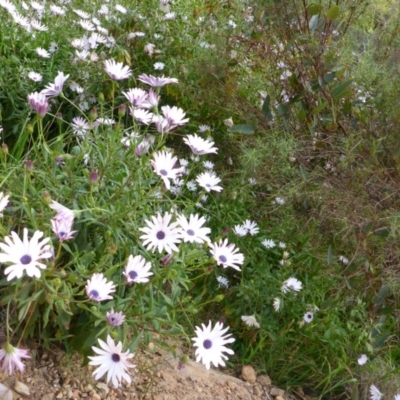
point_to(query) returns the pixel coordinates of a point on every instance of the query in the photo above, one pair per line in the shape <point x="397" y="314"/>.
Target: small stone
<point x="231" y="384"/>
<point x="95" y="396"/>
<point x="257" y="391"/>
<point x="277" y="392"/>
<point x="264" y="380"/>
<point x="20" y="388"/>
<point x="103" y="387"/>
<point x="87" y="388"/>
<point x="5" y="393"/>
<point x="48" y="396"/>
<point x="279" y="398"/>
<point x="249" y="374"/>
<point x="59" y="395"/>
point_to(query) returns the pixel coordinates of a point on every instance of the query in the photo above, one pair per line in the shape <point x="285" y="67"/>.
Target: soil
<point x="158" y="376"/>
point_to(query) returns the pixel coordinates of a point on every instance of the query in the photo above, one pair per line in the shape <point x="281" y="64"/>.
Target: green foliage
<point x="300" y="98"/>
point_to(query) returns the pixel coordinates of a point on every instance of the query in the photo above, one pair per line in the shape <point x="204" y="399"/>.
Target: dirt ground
<point x="158" y="376"/>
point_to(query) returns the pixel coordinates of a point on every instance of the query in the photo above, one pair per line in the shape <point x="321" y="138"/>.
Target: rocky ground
<point x="53" y="375"/>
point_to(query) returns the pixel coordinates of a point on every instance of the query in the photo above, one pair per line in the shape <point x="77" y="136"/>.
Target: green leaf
<point x="314" y="9"/>
<point x="266" y="107"/>
<point x="313" y="22"/>
<point x="283" y="110"/>
<point x="242" y="128"/>
<point x="339" y="90"/>
<point x="329" y="258"/>
<point x="333" y="12"/>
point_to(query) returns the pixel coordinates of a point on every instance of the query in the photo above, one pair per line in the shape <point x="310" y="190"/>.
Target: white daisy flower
<point x="121" y="9"/>
<point x="223" y="281"/>
<point x="226" y="254"/>
<point x="141" y="115"/>
<point x="159" y="66"/>
<point x="81" y="14"/>
<point x="80" y="126"/>
<point x="362" y="360"/>
<point x="251" y="227"/>
<point x="160" y="234"/>
<point x="169" y="16"/>
<point x="208" y="164"/>
<point x="192" y="230"/>
<point x="204" y="128"/>
<point x="239" y="230"/>
<point x="211" y="343"/>
<point x="277" y="304"/>
<point x="252" y="181"/>
<point x="54" y="89"/>
<point x="11" y="359"/>
<point x="250" y="320"/>
<point x="87" y="25"/>
<point x="268" y="243"/>
<point x="291" y="284"/>
<point x="282" y="245"/>
<point x="279" y="201"/>
<point x="191" y="185"/>
<point x="163" y="164"/>
<point x="112" y="360"/>
<point x="375" y="393"/>
<point x="37" y="25"/>
<point x="343" y="260"/>
<point x="35" y="76"/>
<point x="117" y="71"/>
<point x="209" y="181"/>
<point x="42" y="52"/>
<point x="200" y="146"/>
<point x="156" y="81"/>
<point x="98" y="288"/>
<point x="137" y="270"/>
<point x="308" y="317"/>
<point x="57" y="10"/>
<point x="24" y="255"/>
<point x="4" y="200"/>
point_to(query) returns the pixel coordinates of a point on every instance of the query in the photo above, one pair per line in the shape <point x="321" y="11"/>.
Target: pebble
<point x="5" y="393"/>
<point x="277" y="392"/>
<point x="264" y="380"/>
<point x="231" y="384"/>
<point x="249" y="374"/>
<point x="48" y="396"/>
<point x="21" y="388"/>
<point x="257" y="391"/>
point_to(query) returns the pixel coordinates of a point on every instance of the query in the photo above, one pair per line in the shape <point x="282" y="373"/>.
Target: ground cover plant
<point x="220" y="172"/>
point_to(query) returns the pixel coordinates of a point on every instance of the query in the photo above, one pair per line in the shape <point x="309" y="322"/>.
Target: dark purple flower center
<point x="115" y="357"/>
<point x="222" y="259"/>
<point x="94" y="294"/>
<point x="160" y="235"/>
<point x="26" y="259"/>
<point x="132" y="274"/>
<point x="207" y="344"/>
<point x="190" y="232"/>
<point x="208" y="185"/>
<point x="62" y="234"/>
<point x="163" y="172"/>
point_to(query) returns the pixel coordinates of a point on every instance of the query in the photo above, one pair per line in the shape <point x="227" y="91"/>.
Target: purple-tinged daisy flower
<point x="11" y="358"/>
<point x="99" y="289"/>
<point x="160" y="234"/>
<point x="54" y="89"/>
<point x="136" y="96"/>
<point x="62" y="211"/>
<point x="112" y="360"/>
<point x="115" y="318"/>
<point x="62" y="227"/>
<point x="80" y="126"/>
<point x="174" y="116"/>
<point x="251" y="227"/>
<point x="156" y="81"/>
<point x="24" y="255"/>
<point x="39" y="103"/>
<point x="42" y="52"/>
<point x="226" y="255"/>
<point x="250" y="320"/>
<point x="211" y="343"/>
<point x="117" y="71"/>
<point x="137" y="270"/>
<point x="200" y="146"/>
<point x="35" y="76"/>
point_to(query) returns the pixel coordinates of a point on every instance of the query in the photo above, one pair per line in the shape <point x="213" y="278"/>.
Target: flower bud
<point x="47" y="197"/>
<point x="101" y="97"/>
<point x="93" y="176"/>
<point x="121" y="110"/>
<point x="114" y="334"/>
<point x="4" y="148"/>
